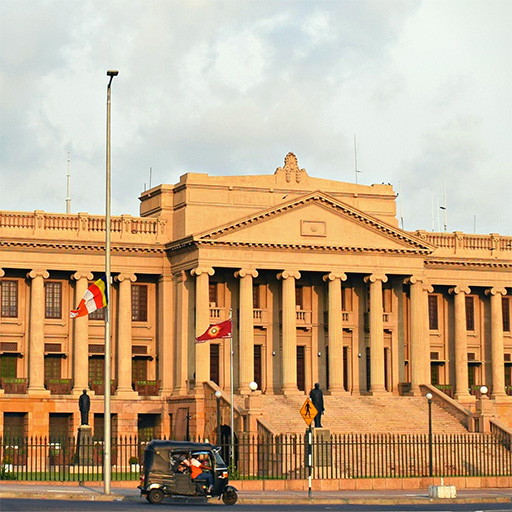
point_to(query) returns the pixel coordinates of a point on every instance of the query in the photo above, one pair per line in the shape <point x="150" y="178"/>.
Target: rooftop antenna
<point x="355" y="158"/>
<point x="474" y="224"/>
<point x="400" y="199"/>
<point x="444" y="204"/>
<point x="68" y="198"/>
<point x="433" y="214"/>
<point x="150" y="172"/>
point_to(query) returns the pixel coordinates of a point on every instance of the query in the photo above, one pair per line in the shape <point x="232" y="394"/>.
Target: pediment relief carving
<point x="291" y="169"/>
<point x="315" y="221"/>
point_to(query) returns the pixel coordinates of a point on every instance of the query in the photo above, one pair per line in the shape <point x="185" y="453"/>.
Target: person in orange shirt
<point x="197" y="473"/>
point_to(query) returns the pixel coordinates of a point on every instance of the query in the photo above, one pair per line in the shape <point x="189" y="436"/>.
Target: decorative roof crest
<point x="291" y="168"/>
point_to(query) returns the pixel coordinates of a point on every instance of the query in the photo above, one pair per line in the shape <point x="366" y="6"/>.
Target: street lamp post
<point x="218" y="395"/>
<point x="107" y="467"/>
<point x="430" y="469"/>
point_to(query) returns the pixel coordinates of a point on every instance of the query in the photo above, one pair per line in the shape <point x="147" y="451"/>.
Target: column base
<point x="79" y="390"/>
<point x="38" y="391"/>
<point x="165" y="392"/>
<point x="292" y="391"/>
<point x="379" y="391"/>
<point x="126" y="393"/>
<point x="501" y="397"/>
<point x="337" y="392"/>
<point x="465" y="398"/>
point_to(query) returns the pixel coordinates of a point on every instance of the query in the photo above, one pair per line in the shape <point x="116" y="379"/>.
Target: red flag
<point x="220" y="330"/>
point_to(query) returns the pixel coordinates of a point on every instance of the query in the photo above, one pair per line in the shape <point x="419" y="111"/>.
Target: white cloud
<point x="231" y="86"/>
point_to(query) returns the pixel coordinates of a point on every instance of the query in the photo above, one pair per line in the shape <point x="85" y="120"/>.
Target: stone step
<point x="366" y="414"/>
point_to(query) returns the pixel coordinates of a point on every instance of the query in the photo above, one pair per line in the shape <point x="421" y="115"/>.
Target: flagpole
<point x="232" y="447"/>
<point x="107" y="467"/>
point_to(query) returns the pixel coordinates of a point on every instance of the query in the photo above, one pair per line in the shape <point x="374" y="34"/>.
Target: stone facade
<point x="322" y="285"/>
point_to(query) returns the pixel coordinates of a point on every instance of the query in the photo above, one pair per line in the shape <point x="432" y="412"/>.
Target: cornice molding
<point x="81" y="247"/>
<point x="466" y="263"/>
<point x="173" y="247"/>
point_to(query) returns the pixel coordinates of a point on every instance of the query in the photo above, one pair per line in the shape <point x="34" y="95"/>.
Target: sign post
<point x="308" y="412"/>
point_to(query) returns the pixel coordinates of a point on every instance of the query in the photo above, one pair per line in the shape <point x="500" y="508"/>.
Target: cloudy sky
<point x="228" y="87"/>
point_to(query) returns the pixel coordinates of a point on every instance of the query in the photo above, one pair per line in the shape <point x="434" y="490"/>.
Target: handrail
<point x="450" y="405"/>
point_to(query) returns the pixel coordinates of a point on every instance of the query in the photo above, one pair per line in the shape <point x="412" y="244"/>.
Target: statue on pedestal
<point x="84" y="404"/>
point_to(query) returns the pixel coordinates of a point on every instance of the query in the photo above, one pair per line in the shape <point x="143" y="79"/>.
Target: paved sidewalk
<point x="45" y="490"/>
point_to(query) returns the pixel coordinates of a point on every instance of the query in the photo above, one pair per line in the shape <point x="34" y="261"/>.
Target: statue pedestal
<point x="85" y="445"/>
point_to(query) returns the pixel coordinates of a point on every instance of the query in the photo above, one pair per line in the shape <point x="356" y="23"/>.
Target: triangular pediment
<point x="315" y="220"/>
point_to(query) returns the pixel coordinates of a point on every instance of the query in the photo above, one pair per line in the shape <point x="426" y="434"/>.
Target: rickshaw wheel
<point x="230" y="497"/>
<point x="156" y="496"/>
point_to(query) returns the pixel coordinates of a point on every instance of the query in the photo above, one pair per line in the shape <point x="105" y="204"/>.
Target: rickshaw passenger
<point x="196" y="468"/>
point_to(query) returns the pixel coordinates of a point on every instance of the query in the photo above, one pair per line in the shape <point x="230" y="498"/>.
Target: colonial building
<point x="321" y="283"/>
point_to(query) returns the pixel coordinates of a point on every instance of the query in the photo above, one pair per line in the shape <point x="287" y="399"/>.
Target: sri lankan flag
<point x="220" y="330"/>
<point x="94" y="298"/>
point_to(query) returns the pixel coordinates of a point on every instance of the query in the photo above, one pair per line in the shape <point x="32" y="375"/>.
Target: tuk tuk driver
<point x="197" y="474"/>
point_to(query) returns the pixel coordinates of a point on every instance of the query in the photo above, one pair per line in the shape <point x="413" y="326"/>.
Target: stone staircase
<point x="361" y="414"/>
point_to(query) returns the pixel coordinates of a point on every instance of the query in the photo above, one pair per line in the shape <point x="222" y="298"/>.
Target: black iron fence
<point x="274" y="457"/>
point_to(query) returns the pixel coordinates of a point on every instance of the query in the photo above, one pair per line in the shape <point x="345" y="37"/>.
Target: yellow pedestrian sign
<point x="308" y="411"/>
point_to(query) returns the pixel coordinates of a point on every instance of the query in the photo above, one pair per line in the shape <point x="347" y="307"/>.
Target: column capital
<point x="38" y="272"/>
<point x="123" y="277"/>
<point x="246" y="272"/>
<point x="335" y="275"/>
<point x="372" y="278"/>
<point x="459" y="289"/>
<point x="495" y="291"/>
<point x="80" y="274"/>
<point x="285" y="274"/>
<point x="421" y="280"/>
<point x="202" y="270"/>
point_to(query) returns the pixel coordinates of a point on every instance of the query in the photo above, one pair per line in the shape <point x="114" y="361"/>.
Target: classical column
<point x="124" y="341"/>
<point x="377" y="384"/>
<point x="246" y="331"/>
<point x="461" y="349"/>
<point x="184" y="338"/>
<point x="289" y="333"/>
<point x="81" y="339"/>
<point x="36" y="334"/>
<point x="202" y="357"/>
<point x="497" y="359"/>
<point x="419" y="356"/>
<point x="166" y="318"/>
<point x="335" y="331"/>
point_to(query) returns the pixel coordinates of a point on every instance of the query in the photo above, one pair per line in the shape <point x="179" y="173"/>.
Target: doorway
<point x="301" y="368"/>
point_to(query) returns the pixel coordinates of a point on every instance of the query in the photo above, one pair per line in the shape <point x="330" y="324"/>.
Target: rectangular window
<point x="256" y="297"/>
<point x="299" y="297"/>
<point x="52" y="367"/>
<point x="99" y="314"/>
<point x="470" y="313"/>
<point x="505" y="305"/>
<point x="9" y="298"/>
<point x="139" y="303"/>
<point x="96" y="368"/>
<point x="433" y="314"/>
<point x="53" y="299"/>
<point x="8" y="364"/>
<point x="212" y="294"/>
<point x="386" y="299"/>
<point x="346" y="299"/>
<point x="139" y="369"/>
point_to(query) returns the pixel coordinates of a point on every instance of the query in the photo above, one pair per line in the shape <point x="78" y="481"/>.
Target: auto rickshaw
<point x="162" y="474"/>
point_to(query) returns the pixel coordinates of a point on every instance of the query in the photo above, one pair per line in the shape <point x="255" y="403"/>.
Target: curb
<point x="261" y="501"/>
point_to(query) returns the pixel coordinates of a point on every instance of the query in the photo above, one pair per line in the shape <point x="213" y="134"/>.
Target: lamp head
<point x="253" y="386"/>
<point x="112" y="72"/>
<point x="428" y="396"/>
<point x="218" y="394"/>
<point x="484" y="389"/>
